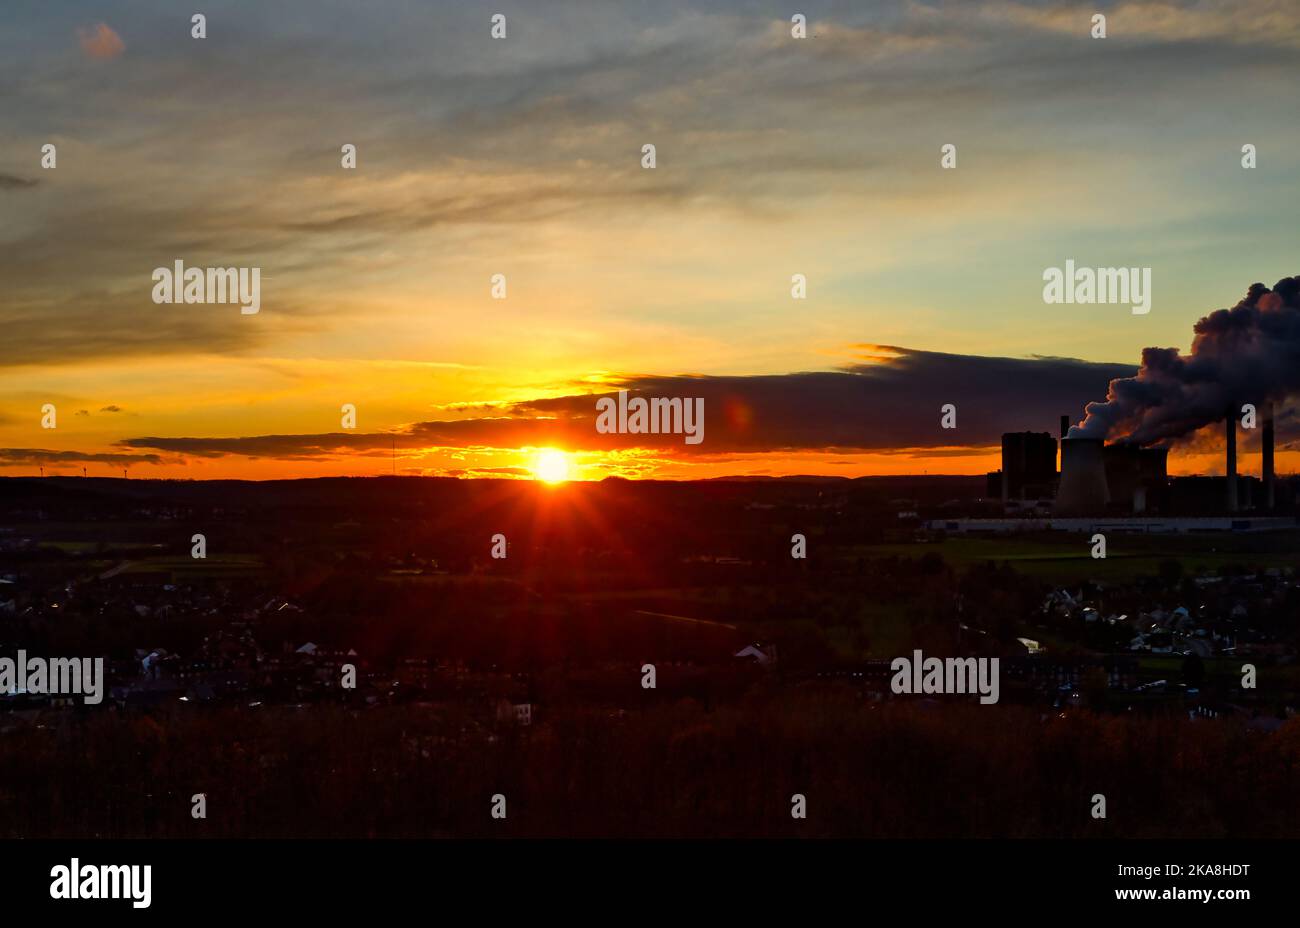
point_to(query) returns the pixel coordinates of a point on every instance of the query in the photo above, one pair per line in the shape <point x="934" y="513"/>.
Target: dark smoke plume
<point x="1247" y="354"/>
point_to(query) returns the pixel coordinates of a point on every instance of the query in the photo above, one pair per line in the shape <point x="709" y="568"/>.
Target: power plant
<point x="1124" y="478"/>
<point x="1125" y="485"/>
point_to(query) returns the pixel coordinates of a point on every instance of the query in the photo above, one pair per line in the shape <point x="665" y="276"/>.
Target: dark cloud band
<point x="882" y="406"/>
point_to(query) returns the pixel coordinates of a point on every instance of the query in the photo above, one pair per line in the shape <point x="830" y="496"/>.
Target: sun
<point x="551" y="465"/>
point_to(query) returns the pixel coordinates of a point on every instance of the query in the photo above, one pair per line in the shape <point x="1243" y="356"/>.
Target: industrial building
<point x="1028" y="466"/>
<point x="1028" y="477"/>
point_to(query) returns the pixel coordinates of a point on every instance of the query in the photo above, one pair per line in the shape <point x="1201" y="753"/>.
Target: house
<point x="759" y="657"/>
<point x="1030" y="645"/>
<point x="517" y="713"/>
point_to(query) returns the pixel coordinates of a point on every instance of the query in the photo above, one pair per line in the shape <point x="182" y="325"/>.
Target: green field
<point x="181" y="567"/>
<point x="90" y="547"/>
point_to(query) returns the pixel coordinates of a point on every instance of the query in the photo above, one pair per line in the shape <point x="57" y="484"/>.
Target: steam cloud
<point x="1247" y="354"/>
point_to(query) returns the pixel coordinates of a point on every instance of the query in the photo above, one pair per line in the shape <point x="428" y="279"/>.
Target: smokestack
<point x="1266" y="471"/>
<point x="1083" y="489"/>
<point x="1065" y="426"/>
<point x="1230" y="466"/>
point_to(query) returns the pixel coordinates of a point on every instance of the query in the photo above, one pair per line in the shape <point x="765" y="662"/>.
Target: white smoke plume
<point x="1247" y="354"/>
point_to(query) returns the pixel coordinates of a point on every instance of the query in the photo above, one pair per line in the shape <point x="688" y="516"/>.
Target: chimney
<point x="1230" y="466"/>
<point x="1266" y="471"/>
<point x="1065" y="426"/>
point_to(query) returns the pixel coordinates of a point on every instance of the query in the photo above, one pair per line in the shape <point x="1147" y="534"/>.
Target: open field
<point x="1068" y="557"/>
<point x="182" y="567"/>
<point x="92" y="547"/>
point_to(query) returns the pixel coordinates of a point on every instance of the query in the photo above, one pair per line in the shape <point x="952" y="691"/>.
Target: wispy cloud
<point x="13" y="182"/>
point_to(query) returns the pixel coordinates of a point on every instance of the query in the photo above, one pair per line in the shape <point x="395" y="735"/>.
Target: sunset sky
<point x="522" y="156"/>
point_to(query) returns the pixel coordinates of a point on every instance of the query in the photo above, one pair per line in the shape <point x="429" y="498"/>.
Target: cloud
<point x="100" y="42"/>
<point x="890" y="401"/>
<point x="14" y="182"/>
<point x="467" y="155"/>
<point x="102" y="324"/>
<point x="1262" y="22"/>
<point x="111" y="409"/>
<point x="12" y="457"/>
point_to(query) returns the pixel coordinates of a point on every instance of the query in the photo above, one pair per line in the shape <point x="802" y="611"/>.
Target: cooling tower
<point x="1154" y="466"/>
<point x="1123" y="473"/>
<point x="1083" y="478"/>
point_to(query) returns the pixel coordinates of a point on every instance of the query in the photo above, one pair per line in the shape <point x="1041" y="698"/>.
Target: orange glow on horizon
<point x="554" y="466"/>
